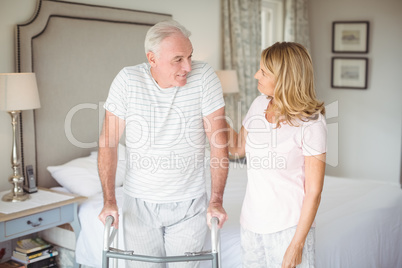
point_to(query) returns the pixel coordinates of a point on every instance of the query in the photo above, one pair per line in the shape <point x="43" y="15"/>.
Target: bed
<point x="75" y="51"/>
<point x="359" y="223"/>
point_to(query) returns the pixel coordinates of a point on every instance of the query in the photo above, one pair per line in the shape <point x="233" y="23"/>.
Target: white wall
<point x="369" y="120"/>
<point x="202" y="18"/>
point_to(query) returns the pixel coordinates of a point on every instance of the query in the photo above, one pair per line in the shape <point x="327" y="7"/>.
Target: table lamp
<point x="228" y="78"/>
<point x="18" y="91"/>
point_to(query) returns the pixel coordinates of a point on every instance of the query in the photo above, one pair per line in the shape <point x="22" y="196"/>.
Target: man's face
<point x="172" y="64"/>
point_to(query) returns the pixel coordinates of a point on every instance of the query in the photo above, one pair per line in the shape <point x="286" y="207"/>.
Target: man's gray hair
<point x="160" y="31"/>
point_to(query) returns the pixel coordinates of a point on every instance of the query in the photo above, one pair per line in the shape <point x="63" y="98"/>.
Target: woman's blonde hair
<point x="294" y="93"/>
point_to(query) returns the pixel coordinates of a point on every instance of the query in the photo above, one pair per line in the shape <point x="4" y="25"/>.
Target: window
<point x="272" y="22"/>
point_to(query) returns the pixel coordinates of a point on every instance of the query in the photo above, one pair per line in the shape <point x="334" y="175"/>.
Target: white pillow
<point x="80" y="176"/>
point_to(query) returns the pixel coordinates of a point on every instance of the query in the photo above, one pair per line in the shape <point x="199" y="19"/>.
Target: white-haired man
<point x="168" y="107"/>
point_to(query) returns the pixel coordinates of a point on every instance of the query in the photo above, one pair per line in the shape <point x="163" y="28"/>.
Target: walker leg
<point x="105" y="260"/>
<point x="215" y="261"/>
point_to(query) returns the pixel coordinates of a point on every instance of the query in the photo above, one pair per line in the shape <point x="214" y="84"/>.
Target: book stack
<point x="35" y="253"/>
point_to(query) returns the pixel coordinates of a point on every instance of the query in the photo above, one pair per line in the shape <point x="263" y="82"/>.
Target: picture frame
<point x="350" y="36"/>
<point x="348" y="72"/>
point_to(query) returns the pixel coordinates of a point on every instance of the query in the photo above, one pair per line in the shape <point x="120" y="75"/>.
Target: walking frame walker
<point x="110" y="252"/>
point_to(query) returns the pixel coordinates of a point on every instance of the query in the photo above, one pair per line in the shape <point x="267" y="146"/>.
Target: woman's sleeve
<point x="314" y="137"/>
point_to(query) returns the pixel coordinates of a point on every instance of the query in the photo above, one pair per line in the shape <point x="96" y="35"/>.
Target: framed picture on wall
<point x="349" y="73"/>
<point x="350" y="36"/>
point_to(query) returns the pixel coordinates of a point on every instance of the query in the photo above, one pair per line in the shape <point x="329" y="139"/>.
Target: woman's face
<point x="266" y="81"/>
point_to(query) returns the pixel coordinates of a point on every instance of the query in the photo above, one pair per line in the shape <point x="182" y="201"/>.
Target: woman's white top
<point x="275" y="168"/>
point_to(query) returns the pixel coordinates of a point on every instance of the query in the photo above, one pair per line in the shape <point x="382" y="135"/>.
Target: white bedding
<point x="359" y="224"/>
<point x="89" y="245"/>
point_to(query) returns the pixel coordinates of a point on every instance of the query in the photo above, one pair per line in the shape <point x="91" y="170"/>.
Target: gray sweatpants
<point x="166" y="229"/>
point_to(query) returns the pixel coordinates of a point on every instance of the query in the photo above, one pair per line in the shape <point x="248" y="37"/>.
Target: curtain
<point x="296" y="22"/>
<point x="241" y="52"/>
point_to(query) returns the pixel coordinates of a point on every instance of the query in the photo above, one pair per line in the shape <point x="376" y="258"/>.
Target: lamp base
<point x="17" y="193"/>
<point x="12" y="197"/>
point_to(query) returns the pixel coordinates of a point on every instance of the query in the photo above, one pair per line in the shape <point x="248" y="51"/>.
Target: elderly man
<point x="168" y="107"/>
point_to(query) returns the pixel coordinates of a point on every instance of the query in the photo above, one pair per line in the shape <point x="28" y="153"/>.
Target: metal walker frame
<point x="110" y="252"/>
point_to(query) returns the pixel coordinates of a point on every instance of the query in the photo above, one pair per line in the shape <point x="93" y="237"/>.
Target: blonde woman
<point x="283" y="137"/>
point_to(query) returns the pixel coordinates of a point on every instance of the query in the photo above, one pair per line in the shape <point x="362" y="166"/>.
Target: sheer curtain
<point x="297" y="22"/>
<point x="242" y="46"/>
<point x="241" y="52"/>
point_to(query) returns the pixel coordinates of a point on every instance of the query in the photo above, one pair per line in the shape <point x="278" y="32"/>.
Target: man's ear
<point x="151" y="58"/>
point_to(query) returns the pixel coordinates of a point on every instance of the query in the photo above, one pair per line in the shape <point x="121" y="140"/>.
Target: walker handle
<point x="214" y="235"/>
<point x="107" y="237"/>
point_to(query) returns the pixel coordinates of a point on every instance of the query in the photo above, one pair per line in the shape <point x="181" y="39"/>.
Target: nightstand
<point x="45" y="209"/>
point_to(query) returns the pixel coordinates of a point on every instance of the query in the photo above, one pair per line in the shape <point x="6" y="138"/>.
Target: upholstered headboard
<point x="75" y="50"/>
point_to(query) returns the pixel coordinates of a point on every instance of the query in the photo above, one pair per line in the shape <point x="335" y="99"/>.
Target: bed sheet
<point x="359" y="224"/>
<point x="90" y="240"/>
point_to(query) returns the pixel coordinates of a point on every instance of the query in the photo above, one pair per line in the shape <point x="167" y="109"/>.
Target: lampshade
<point x="228" y="80"/>
<point x="18" y="91"/>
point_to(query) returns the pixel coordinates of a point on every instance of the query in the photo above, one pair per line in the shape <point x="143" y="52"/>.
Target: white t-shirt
<point x="275" y="168"/>
<point x="165" y="136"/>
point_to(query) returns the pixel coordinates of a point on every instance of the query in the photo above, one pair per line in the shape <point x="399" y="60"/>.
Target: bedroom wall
<point x="369" y="121"/>
<point x="202" y="18"/>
